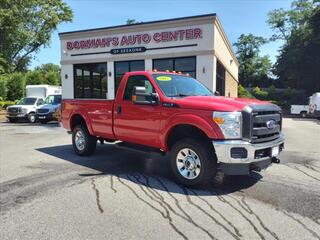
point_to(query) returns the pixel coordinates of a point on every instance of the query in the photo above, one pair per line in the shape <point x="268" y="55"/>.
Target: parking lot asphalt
<point x="47" y="192"/>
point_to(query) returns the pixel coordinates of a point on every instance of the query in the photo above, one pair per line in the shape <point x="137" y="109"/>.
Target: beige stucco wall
<point x="231" y="86"/>
<point x="223" y="51"/>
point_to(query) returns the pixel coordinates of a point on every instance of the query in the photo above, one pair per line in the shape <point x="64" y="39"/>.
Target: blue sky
<point x="237" y="17"/>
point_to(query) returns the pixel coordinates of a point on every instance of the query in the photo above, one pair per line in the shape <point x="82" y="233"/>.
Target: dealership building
<point x="94" y="60"/>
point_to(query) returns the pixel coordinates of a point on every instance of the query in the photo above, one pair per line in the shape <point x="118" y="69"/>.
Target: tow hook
<point x="254" y="167"/>
<point x="275" y="160"/>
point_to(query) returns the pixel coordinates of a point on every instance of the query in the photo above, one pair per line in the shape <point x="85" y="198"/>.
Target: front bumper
<point x="17" y="115"/>
<point x="258" y="155"/>
<point x="46" y="117"/>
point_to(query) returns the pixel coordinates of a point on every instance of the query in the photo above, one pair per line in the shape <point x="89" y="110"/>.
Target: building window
<point x="181" y="64"/>
<point x="137" y="81"/>
<point x="220" y="78"/>
<point x="90" y="80"/>
<point x="120" y="68"/>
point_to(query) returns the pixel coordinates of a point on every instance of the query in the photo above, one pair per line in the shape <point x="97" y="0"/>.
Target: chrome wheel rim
<point x="188" y="163"/>
<point x="79" y="140"/>
<point x="32" y="118"/>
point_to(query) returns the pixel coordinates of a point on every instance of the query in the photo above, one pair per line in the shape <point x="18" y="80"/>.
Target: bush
<point x="5" y="104"/>
<point x="243" y="92"/>
<point x="260" y="94"/>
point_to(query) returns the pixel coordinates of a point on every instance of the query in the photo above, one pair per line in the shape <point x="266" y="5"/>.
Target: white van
<point x="314" y="107"/>
<point x="26" y="107"/>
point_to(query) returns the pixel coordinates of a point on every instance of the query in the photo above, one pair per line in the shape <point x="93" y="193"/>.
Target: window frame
<point x="89" y="67"/>
<point x="174" y="64"/>
<point x="134" y="76"/>
<point x="129" y="70"/>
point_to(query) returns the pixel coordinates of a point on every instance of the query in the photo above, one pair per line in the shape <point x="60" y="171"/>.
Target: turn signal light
<point x="218" y="120"/>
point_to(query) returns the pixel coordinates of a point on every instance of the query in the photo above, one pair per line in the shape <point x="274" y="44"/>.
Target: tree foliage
<point x="297" y="66"/>
<point x="254" y="69"/>
<point x="12" y="85"/>
<point x="25" y="26"/>
<point x="131" y="21"/>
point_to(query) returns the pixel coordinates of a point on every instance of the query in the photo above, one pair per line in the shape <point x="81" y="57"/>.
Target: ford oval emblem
<point x="271" y="124"/>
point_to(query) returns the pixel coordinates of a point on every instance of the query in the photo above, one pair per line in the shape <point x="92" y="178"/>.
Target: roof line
<point x="138" y="24"/>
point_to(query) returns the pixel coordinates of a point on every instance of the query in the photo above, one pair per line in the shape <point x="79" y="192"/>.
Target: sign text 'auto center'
<point x="131" y="40"/>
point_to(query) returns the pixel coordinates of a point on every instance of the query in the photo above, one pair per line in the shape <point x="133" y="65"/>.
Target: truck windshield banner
<point x="136" y="39"/>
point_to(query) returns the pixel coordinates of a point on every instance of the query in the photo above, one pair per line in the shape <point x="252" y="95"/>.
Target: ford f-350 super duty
<point x="172" y="113"/>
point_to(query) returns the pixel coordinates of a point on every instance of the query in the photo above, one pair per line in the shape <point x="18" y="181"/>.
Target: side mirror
<point x="140" y="96"/>
<point x="217" y="93"/>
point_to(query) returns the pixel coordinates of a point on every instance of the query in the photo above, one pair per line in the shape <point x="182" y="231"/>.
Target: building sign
<point x="127" y="50"/>
<point x="136" y="39"/>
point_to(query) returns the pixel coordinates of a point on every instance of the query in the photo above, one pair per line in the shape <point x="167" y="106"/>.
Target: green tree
<point x="3" y="87"/>
<point x="15" y="86"/>
<point x="131" y="21"/>
<point x="297" y="66"/>
<point x="34" y="77"/>
<point x="254" y="69"/>
<point x="243" y="92"/>
<point x="50" y="73"/>
<point x="25" y="26"/>
<point x="259" y="93"/>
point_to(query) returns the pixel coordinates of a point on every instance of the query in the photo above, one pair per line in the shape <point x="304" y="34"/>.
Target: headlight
<point x="24" y="110"/>
<point x="229" y="123"/>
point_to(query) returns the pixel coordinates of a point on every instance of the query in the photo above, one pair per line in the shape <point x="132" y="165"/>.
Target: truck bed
<point x="97" y="113"/>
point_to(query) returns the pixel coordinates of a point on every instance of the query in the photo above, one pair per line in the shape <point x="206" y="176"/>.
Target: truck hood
<point x="21" y="106"/>
<point x="215" y="103"/>
<point x="49" y="106"/>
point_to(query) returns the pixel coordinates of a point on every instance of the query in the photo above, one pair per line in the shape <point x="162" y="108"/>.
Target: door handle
<point x="119" y="109"/>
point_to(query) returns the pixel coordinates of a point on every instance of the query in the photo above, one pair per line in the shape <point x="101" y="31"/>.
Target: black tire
<point x="207" y="158"/>
<point x="12" y="120"/>
<point x="90" y="142"/>
<point x="303" y="114"/>
<point x="32" y="117"/>
<point x="43" y="121"/>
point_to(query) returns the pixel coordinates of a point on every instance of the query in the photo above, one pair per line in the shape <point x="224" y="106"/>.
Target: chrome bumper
<point x="223" y="150"/>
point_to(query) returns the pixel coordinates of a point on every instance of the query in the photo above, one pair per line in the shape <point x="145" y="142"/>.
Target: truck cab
<point x="172" y="113"/>
<point x="51" y="105"/>
<point x="25" y="109"/>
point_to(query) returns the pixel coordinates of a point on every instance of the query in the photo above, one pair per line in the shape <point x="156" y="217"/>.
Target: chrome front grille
<point x="14" y="110"/>
<point x="262" y="123"/>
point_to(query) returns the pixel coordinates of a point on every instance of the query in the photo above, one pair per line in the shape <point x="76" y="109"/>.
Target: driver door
<point x="134" y="123"/>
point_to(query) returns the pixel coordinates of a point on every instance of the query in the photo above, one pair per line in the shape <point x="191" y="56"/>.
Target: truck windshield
<point x="180" y="86"/>
<point x="27" y="101"/>
<point x="53" y="99"/>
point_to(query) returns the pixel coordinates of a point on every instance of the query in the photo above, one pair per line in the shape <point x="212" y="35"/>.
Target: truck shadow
<point x="146" y="169"/>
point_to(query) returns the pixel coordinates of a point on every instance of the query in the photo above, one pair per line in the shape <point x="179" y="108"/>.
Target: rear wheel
<point x="32" y="118"/>
<point x="83" y="143"/>
<point x="193" y="162"/>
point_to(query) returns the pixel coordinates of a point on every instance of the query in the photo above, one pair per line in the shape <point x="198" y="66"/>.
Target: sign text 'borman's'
<point x="136" y="39"/>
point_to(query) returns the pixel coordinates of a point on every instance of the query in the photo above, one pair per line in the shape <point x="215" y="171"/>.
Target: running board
<point x="139" y="148"/>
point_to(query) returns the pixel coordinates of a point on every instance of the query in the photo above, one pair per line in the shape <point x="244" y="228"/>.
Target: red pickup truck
<point x="172" y="113"/>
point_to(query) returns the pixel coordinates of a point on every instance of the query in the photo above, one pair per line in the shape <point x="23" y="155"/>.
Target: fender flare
<point x="86" y="120"/>
<point x="211" y="131"/>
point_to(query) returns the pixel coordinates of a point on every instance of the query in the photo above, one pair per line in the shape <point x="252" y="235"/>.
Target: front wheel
<point x="12" y="120"/>
<point x="32" y="118"/>
<point x="193" y="162"/>
<point x="303" y="114"/>
<point x="43" y="121"/>
<point x="83" y="143"/>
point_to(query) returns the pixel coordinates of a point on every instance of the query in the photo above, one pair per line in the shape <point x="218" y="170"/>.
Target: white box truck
<point x="26" y="107"/>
